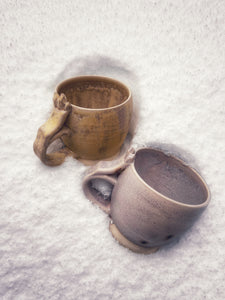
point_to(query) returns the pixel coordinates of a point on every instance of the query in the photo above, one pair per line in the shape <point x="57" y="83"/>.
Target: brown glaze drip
<point x="94" y="94"/>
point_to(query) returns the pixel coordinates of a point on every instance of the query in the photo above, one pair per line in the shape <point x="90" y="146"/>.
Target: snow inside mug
<point x="155" y="197"/>
<point x="91" y="115"/>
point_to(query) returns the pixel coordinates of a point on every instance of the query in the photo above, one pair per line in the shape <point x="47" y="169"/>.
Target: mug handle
<point x="107" y="172"/>
<point x="53" y="129"/>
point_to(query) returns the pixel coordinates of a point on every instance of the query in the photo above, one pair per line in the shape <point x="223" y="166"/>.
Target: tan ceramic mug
<point x="155" y="197"/>
<point x="91" y="115"/>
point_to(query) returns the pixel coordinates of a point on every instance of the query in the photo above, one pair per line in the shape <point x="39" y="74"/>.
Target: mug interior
<point x="170" y="177"/>
<point x="94" y="92"/>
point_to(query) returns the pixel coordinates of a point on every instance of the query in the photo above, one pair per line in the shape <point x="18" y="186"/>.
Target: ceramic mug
<point x="155" y="197"/>
<point x="91" y="115"/>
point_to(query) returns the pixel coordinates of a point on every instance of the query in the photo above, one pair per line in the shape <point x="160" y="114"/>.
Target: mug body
<point x="100" y="116"/>
<point x="157" y="198"/>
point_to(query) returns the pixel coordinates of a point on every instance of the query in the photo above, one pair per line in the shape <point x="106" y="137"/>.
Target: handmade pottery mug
<point x="155" y="197"/>
<point x="91" y="115"/>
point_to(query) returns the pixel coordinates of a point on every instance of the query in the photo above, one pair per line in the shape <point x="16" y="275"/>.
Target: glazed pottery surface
<point x="91" y="115"/>
<point x="155" y="197"/>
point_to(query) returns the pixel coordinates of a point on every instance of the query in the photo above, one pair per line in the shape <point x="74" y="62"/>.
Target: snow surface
<point x="54" y="244"/>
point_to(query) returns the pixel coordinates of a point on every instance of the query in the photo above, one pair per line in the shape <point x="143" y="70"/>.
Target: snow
<point x="54" y="243"/>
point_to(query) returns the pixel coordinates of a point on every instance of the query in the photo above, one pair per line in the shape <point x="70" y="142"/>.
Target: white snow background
<point x="54" y="244"/>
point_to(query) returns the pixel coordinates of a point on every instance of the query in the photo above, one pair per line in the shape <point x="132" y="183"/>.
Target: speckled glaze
<point x="155" y="198"/>
<point x="91" y="115"/>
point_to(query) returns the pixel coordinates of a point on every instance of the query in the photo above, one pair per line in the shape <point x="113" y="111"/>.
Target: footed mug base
<point x="89" y="162"/>
<point x="122" y="151"/>
<point x="122" y="240"/>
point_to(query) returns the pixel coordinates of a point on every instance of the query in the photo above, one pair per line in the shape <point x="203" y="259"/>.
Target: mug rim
<point x="208" y="194"/>
<point x="97" y="77"/>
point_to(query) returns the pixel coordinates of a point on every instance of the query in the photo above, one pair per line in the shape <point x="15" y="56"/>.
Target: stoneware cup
<point x="91" y="115"/>
<point x="155" y="197"/>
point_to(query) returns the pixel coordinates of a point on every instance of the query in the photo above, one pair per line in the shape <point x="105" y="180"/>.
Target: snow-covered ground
<point x="54" y="244"/>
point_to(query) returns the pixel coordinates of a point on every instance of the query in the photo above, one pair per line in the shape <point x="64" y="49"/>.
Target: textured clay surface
<point x="95" y="95"/>
<point x="170" y="177"/>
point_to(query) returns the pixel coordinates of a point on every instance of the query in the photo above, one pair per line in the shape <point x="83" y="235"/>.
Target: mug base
<point x="88" y="162"/>
<point x="122" y="151"/>
<point x="122" y="240"/>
